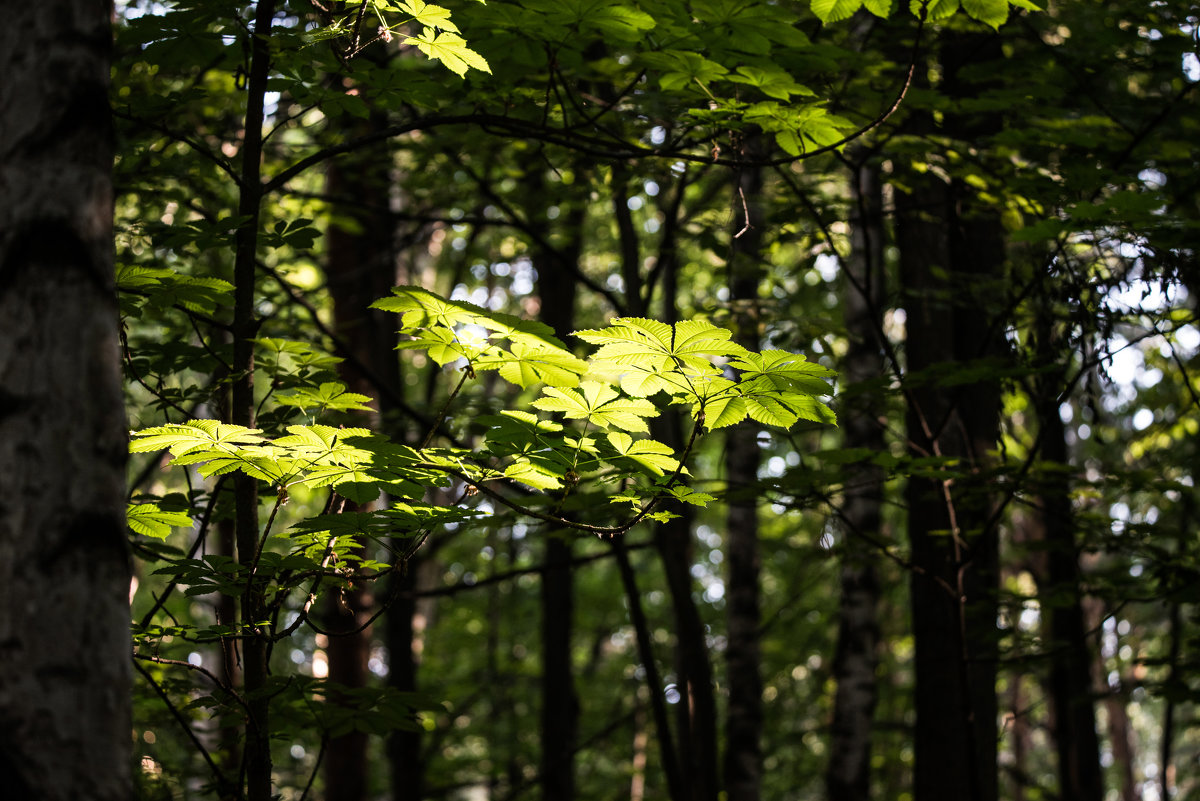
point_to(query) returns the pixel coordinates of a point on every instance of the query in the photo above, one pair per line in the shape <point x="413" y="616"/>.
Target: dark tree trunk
<point x="952" y="251"/>
<point x="848" y="775"/>
<point x="231" y="668"/>
<point x="556" y="285"/>
<point x="743" y="728"/>
<point x="64" y="563"/>
<point x="1071" y="683"/>
<point x="255" y="647"/>
<point x="696" y="711"/>
<point x="361" y="268"/>
<point x="404" y="747"/>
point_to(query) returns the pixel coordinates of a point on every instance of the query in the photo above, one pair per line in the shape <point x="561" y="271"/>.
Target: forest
<point x="663" y="400"/>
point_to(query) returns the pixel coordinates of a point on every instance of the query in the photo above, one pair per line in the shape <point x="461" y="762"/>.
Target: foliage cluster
<point x="470" y="161"/>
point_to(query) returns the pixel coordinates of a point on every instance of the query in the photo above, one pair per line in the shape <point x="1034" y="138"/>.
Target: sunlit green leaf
<point x="449" y="48"/>
<point x="148" y="519"/>
<point x="835" y="10"/>
<point x="599" y="404"/>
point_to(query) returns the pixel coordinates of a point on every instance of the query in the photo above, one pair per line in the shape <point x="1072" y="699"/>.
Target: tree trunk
<point x="404" y="747"/>
<point x="1071" y="684"/>
<point x="1121" y="737"/>
<point x="64" y="563"/>
<point x="361" y="268"/>
<point x="696" y="710"/>
<point x="255" y="647"/>
<point x="743" y="728"/>
<point x="556" y="284"/>
<point x="951" y="255"/>
<point x="848" y="775"/>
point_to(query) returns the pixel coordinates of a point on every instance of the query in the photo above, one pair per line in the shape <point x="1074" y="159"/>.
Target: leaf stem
<point x="467" y="372"/>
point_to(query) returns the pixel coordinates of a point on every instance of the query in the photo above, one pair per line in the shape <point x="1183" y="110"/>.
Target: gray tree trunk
<point x="64" y="565"/>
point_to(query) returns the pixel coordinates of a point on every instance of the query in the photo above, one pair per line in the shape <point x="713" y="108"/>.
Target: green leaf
<point x="771" y="82"/>
<point x="320" y="443"/>
<point x="194" y="435"/>
<point x="651" y="455"/>
<point x="724" y="411"/>
<point x="360" y="491"/>
<point x="533" y="474"/>
<point x="446" y="346"/>
<point x="599" y="404"/>
<point x="360" y="466"/>
<point x="612" y="19"/>
<point x="751" y="27"/>
<point x="688" y="495"/>
<point x="835" y="10"/>
<point x="989" y="12"/>
<point x="531" y="362"/>
<point x="783" y="371"/>
<point x="681" y="68"/>
<point x="514" y="431"/>
<point x="148" y="519"/>
<point x="451" y="49"/>
<point x="324" y="34"/>
<point x="444" y="329"/>
<point x="329" y="396"/>
<point x="165" y="287"/>
<point x="934" y="9"/>
<point x="427" y="14"/>
<point x="298" y="356"/>
<point x="650" y="344"/>
<point x="403" y="517"/>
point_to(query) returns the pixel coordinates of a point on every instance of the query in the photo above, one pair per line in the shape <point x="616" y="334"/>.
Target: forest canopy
<point x="726" y="399"/>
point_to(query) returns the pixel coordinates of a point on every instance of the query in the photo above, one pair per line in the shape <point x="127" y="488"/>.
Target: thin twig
<point x="175" y="713"/>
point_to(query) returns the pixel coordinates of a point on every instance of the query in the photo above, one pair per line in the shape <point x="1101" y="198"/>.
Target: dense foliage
<point x="481" y="364"/>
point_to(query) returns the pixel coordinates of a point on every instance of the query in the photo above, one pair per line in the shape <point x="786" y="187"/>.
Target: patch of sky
<point x="523" y="277"/>
<point x="826" y="265"/>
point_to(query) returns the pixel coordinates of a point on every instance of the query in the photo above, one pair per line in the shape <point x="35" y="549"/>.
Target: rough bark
<point x="848" y="775"/>
<point x="64" y="563"/>
<point x="743" y="727"/>
<point x="951" y="254"/>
